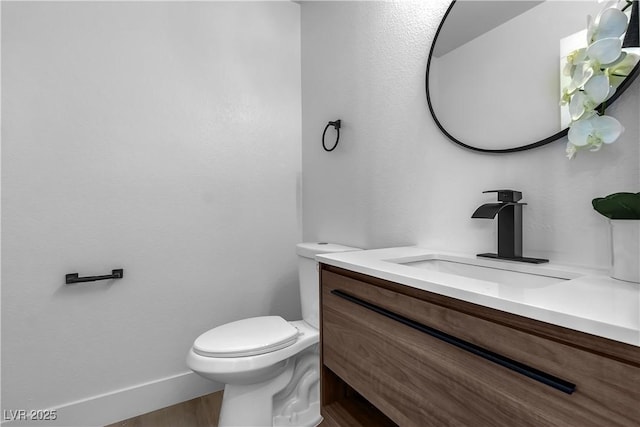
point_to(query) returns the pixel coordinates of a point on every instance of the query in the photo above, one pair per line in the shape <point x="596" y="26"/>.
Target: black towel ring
<point x="336" y="125"/>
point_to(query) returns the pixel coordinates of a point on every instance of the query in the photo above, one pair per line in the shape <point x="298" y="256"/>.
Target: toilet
<point x="270" y="366"/>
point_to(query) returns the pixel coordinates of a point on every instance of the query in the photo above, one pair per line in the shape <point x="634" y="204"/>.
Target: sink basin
<point x="504" y="273"/>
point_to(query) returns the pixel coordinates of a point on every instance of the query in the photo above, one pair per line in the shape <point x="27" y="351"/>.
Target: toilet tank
<point x="309" y="279"/>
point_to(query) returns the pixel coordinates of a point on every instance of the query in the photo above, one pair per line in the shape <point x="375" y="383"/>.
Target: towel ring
<point x="336" y="125"/>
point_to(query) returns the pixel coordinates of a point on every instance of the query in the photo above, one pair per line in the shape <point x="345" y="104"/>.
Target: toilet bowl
<point x="270" y="366"/>
<point x="253" y="380"/>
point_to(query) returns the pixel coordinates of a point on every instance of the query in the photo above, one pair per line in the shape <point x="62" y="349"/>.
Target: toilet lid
<point x="246" y="337"/>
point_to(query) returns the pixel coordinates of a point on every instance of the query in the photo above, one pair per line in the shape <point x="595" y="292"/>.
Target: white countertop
<point x="586" y="300"/>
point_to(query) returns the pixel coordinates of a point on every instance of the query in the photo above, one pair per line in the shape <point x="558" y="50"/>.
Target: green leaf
<point x="618" y="205"/>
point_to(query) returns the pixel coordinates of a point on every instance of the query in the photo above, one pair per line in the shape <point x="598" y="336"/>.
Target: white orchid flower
<point x="604" y="51"/>
<point x="595" y="73"/>
<point x="581" y="75"/>
<point x="574" y="59"/>
<point x="620" y="70"/>
<point x="565" y="96"/>
<point x="596" y="91"/>
<point x="609" y="23"/>
<point x="590" y="133"/>
<point x="577" y="105"/>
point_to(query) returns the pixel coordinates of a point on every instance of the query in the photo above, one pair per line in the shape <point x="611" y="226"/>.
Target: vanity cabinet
<point x="396" y="355"/>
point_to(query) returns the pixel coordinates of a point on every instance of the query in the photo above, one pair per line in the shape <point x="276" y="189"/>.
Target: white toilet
<point x="270" y="366"/>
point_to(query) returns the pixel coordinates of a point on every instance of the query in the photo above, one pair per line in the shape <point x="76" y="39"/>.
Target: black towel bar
<point x="521" y="368"/>
<point x="73" y="277"/>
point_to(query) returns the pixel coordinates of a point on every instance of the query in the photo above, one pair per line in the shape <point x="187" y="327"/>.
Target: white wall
<point x="396" y="180"/>
<point x="162" y="138"/>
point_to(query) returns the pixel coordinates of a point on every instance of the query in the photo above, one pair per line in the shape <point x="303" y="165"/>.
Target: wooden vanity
<point x="392" y="354"/>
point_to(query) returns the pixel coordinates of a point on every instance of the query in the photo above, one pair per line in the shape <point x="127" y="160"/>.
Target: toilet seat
<point x="227" y="369"/>
<point x="246" y="337"/>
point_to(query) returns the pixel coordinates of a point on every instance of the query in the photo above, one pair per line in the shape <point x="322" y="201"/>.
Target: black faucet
<point x="509" y="225"/>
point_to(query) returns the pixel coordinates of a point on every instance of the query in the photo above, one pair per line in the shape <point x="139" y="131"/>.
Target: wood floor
<point x="200" y="412"/>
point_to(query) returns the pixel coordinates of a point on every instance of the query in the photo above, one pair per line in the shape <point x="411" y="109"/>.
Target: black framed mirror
<point x="493" y="80"/>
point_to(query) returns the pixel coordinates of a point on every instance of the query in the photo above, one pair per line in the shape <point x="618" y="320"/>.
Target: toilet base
<point x="298" y="404"/>
<point x="291" y="398"/>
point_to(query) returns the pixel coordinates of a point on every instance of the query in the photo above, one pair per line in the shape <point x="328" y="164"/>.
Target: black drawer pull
<point x="521" y="368"/>
<point x="72" y="278"/>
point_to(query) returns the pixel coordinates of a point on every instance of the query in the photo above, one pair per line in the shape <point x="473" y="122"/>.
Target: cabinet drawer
<point x="419" y="379"/>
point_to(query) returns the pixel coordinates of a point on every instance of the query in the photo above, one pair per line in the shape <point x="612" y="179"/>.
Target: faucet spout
<point x="490" y="210"/>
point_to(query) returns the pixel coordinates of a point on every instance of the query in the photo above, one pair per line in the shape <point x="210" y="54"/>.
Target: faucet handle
<point x="506" y="195"/>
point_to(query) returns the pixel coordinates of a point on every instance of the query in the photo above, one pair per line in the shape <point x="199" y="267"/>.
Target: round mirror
<point x="494" y="73"/>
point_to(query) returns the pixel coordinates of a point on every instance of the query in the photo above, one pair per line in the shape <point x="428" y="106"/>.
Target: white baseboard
<point x="108" y="408"/>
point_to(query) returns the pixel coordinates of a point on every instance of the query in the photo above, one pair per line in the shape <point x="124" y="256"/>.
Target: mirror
<point x="494" y="71"/>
